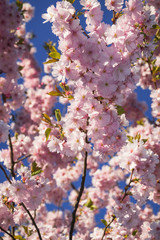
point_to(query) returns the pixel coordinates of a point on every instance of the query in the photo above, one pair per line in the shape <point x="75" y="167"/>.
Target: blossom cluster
<point x="103" y="134"/>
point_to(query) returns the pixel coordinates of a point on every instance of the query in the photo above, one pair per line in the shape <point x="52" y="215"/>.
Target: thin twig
<point x="85" y="33"/>
<point x="155" y="84"/>
<point x="108" y="225"/>
<point x="75" y="17"/>
<point x="11" y="156"/>
<point x="3" y="230"/>
<point x="125" y="194"/>
<point x="32" y="219"/>
<point x="114" y="17"/>
<point x="5" y="174"/>
<point x="21" y="159"/>
<point x="127" y="186"/>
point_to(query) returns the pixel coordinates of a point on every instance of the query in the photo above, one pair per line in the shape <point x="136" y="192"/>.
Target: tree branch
<point x="125" y="194"/>
<point x="79" y="197"/>
<point x="32" y="219"/>
<point x="21" y="159"/>
<point x="80" y="192"/>
<point x="11" y="156"/>
<point x="3" y="230"/>
<point x="5" y="174"/>
<point x="74" y="188"/>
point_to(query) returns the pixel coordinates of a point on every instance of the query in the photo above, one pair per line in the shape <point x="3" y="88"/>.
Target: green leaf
<point x="52" y="52"/>
<point x="20" y="41"/>
<point x="51" y="61"/>
<point x="144" y="140"/>
<point x="27" y="231"/>
<point x="19" y="237"/>
<point x="140" y="122"/>
<point x="154" y="61"/>
<point x="138" y="136"/>
<point x="120" y="110"/>
<point x="16" y="135"/>
<point x="58" y="115"/>
<point x="90" y="204"/>
<point x="35" y="169"/>
<point x="130" y="138"/>
<point x="135" y="180"/>
<point x="64" y="86"/>
<point x="157" y="77"/>
<point x="48" y="46"/>
<point x="125" y="236"/>
<point x="55" y="54"/>
<point x="19" y="5"/>
<point x="93" y="207"/>
<point x="20" y="68"/>
<point x="104" y="222"/>
<point x="71" y="1"/>
<point x="70" y="97"/>
<point x="55" y="93"/>
<point x="47" y="118"/>
<point x="134" y="232"/>
<point x="34" y="166"/>
<point x="79" y="13"/>
<point x="47" y="133"/>
<point x="155" y="26"/>
<point x="36" y="172"/>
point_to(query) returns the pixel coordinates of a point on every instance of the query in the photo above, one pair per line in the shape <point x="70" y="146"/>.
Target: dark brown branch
<point x="127" y="186"/>
<point x="85" y="33"/>
<point x="12" y="169"/>
<point x="32" y="219"/>
<point x="74" y="188"/>
<point x="114" y="17"/>
<point x="108" y="225"/>
<point x="3" y="230"/>
<point x="81" y="189"/>
<point x="79" y="197"/>
<point x="11" y="156"/>
<point x="5" y="174"/>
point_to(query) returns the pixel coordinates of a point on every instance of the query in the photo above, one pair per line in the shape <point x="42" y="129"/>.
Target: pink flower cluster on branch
<point x="93" y="73"/>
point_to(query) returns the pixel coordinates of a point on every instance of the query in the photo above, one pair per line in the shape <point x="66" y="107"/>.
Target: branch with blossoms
<point x="81" y="189"/>
<point x="79" y="197"/>
<point x="108" y="225"/>
<point x="98" y="66"/>
<point x="32" y="219"/>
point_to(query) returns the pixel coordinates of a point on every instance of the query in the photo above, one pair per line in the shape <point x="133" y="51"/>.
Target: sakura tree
<point x="100" y="153"/>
